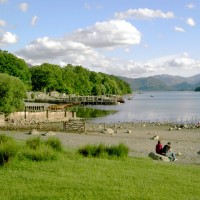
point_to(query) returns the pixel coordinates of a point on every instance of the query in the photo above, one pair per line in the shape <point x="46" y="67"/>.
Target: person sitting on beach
<point x="168" y="152"/>
<point x="159" y="147"/>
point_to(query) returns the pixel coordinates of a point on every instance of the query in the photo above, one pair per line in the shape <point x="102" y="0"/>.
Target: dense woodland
<point x="50" y="77"/>
<point x="75" y="80"/>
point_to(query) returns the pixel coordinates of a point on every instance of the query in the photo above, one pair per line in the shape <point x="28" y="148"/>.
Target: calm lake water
<point x="173" y="106"/>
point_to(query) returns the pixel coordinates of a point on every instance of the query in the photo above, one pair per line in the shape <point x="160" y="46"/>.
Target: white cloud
<point x="56" y="51"/>
<point x="179" y="29"/>
<point x="78" y="48"/>
<point x="190" y="22"/>
<point x="127" y="50"/>
<point x="23" y="7"/>
<point x="190" y="5"/>
<point x="108" y="34"/>
<point x="8" y="38"/>
<point x="2" y="23"/>
<point x="181" y="64"/>
<point x="64" y="51"/>
<point x="143" y="14"/>
<point x="83" y="48"/>
<point x="34" y="20"/>
<point x="3" y="1"/>
<point x="87" y="6"/>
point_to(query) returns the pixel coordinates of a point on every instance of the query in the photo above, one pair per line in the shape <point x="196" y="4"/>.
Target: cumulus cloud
<point x="108" y="34"/>
<point x="179" y="29"/>
<point x="53" y="51"/>
<point x="23" y="7"/>
<point x="87" y="6"/>
<point x="190" y="5"/>
<point x="8" y="38"/>
<point x="181" y="64"/>
<point x="2" y="23"/>
<point x="79" y="47"/>
<point x="144" y="13"/>
<point x="34" y="20"/>
<point x="190" y="22"/>
<point x="86" y="46"/>
<point x="3" y="1"/>
<point x="175" y="64"/>
<point x="65" y="51"/>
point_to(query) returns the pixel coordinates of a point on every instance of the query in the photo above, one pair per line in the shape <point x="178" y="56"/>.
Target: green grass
<point x="72" y="176"/>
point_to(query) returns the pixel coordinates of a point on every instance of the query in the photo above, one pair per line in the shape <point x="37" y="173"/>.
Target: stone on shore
<point x="108" y="131"/>
<point x="49" y="133"/>
<point x="156" y="156"/>
<point x="34" y="132"/>
<point x="156" y="137"/>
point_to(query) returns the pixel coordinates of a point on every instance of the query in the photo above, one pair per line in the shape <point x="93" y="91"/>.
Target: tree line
<point x="16" y="77"/>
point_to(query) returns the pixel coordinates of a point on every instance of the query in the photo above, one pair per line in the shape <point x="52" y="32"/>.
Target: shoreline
<point x="141" y="138"/>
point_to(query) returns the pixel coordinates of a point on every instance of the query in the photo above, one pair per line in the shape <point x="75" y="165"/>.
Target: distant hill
<point x="164" y="82"/>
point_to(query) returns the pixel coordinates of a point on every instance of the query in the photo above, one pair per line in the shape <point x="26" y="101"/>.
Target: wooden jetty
<point x="84" y="100"/>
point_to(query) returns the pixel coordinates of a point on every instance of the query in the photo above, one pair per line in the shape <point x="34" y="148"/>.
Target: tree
<point x="12" y="94"/>
<point x="69" y="79"/>
<point x="83" y="86"/>
<point x="15" y="66"/>
<point x="47" y="76"/>
<point x="76" y="80"/>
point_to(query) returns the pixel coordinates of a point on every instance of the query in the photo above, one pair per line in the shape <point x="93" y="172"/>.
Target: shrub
<point x="54" y="143"/>
<point x="33" y="143"/>
<point x="42" y="153"/>
<point x="4" y="138"/>
<point x="120" y="150"/>
<point x="93" y="150"/>
<point x="8" y="150"/>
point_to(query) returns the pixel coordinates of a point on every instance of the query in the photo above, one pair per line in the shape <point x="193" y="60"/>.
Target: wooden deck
<point x="84" y="100"/>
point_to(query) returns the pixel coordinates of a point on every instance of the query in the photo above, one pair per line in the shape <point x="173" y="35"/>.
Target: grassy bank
<point x="72" y="176"/>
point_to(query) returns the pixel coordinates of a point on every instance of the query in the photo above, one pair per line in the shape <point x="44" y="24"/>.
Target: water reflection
<point x="155" y="106"/>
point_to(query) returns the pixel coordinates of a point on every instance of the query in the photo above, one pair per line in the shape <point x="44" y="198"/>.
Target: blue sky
<point x="129" y="38"/>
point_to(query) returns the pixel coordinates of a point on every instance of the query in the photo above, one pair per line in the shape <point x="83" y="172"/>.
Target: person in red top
<point x="159" y="147"/>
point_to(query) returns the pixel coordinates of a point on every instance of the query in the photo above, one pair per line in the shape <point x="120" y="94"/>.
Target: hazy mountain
<point x="170" y="80"/>
<point x="163" y="83"/>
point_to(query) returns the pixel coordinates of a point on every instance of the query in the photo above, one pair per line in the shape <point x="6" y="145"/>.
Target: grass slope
<point x="71" y="176"/>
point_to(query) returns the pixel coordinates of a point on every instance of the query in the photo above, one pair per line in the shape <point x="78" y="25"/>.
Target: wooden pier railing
<point x="84" y="100"/>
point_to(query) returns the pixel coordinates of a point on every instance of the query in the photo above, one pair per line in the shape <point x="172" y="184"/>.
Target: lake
<point x="172" y="106"/>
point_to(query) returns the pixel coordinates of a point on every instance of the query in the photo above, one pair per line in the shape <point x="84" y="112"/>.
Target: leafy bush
<point x="4" y="138"/>
<point x="54" y="143"/>
<point x="93" y="150"/>
<point x="33" y="143"/>
<point x="42" y="153"/>
<point x="8" y="149"/>
<point x="120" y="150"/>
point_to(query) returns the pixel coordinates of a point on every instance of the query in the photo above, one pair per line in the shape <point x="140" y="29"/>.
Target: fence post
<point x="84" y="125"/>
<point x="47" y="114"/>
<point x="64" y="126"/>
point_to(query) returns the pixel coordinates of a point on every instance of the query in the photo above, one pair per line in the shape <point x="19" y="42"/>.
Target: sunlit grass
<point x="72" y="176"/>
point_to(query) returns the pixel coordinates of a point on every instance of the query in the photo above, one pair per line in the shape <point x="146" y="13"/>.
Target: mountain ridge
<point x="164" y="82"/>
